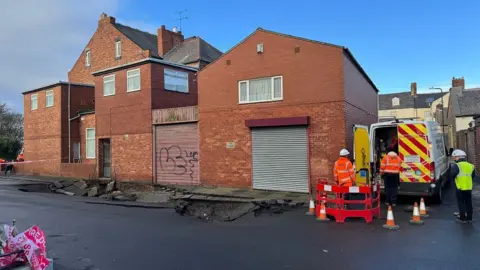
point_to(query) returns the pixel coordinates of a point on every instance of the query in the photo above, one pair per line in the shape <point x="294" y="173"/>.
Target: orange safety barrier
<point x="336" y="206"/>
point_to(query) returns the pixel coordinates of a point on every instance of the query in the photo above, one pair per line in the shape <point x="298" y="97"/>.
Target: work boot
<point x="461" y="221"/>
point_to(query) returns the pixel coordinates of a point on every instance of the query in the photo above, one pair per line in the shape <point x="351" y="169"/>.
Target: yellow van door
<point x="361" y="154"/>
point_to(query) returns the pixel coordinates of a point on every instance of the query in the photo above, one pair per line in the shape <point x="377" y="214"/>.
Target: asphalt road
<point x="88" y="236"/>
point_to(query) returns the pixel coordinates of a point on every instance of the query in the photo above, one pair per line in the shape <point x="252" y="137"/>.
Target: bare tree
<point x="11" y="133"/>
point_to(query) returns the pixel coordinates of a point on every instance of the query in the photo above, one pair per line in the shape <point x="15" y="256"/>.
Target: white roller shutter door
<point x="280" y="159"/>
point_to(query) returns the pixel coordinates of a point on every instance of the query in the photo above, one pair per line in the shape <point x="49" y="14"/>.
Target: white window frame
<point x="118" y="48"/>
<point x="259" y="101"/>
<point x="32" y="98"/>
<point x="86" y="144"/>
<point x="88" y="60"/>
<point x="174" y="90"/>
<point x="47" y="94"/>
<point x="395" y="102"/>
<point x="133" y="76"/>
<point x="108" y="79"/>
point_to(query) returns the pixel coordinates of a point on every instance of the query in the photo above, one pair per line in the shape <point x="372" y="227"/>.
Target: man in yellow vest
<point x="462" y="173"/>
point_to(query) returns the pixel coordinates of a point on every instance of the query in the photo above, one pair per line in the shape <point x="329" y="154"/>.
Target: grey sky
<point x="41" y="40"/>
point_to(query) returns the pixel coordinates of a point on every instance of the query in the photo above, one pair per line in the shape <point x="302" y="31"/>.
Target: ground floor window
<point x="90" y="143"/>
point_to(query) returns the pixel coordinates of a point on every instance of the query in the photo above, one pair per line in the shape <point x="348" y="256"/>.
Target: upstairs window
<point x="395" y="101"/>
<point x="133" y="80"/>
<point x="87" y="58"/>
<point x="261" y="90"/>
<point x="34" y="102"/>
<point x="49" y="98"/>
<point x="118" y="49"/>
<point x="176" y="80"/>
<point x="109" y="85"/>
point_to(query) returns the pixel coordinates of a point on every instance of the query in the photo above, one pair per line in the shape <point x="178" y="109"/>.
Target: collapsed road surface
<point x="87" y="236"/>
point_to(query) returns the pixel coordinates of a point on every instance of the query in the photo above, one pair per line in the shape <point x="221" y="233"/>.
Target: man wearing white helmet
<point x="343" y="170"/>
<point x="463" y="173"/>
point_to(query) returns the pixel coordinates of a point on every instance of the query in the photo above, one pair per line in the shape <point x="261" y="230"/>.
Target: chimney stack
<point x="413" y="89"/>
<point x="104" y="18"/>
<point x="167" y="39"/>
<point x="458" y="82"/>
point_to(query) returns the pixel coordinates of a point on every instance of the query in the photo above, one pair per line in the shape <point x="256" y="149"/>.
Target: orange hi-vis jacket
<point x="344" y="172"/>
<point x="390" y="164"/>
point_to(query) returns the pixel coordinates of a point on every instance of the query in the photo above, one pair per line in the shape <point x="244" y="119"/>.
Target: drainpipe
<point x="69" y="120"/>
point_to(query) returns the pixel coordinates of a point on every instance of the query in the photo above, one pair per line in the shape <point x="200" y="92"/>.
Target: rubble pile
<point x="81" y="188"/>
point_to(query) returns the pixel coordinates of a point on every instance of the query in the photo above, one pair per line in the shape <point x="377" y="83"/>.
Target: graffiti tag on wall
<point x="178" y="161"/>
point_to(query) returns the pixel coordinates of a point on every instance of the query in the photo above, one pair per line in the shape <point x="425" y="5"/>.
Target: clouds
<point x="41" y="40"/>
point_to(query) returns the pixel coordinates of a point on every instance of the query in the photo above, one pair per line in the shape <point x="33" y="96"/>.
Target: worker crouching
<point x="390" y="172"/>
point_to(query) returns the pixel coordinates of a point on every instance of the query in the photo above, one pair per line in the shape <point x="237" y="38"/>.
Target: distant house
<point x="463" y="106"/>
<point x="406" y="105"/>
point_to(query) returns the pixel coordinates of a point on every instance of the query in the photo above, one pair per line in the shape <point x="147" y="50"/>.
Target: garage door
<point x="279" y="157"/>
<point x="176" y="154"/>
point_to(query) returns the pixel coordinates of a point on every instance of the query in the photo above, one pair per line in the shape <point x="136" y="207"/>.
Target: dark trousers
<point x="391" y="195"/>
<point x="464" y="200"/>
<point x="391" y="182"/>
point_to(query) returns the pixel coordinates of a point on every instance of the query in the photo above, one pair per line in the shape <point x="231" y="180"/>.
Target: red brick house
<point x="47" y="129"/>
<point x="275" y="110"/>
<point x="136" y="81"/>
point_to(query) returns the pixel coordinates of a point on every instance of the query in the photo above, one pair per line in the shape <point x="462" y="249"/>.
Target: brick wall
<point x="102" y="53"/>
<point x="81" y="98"/>
<point x="220" y="166"/>
<point x="361" y="100"/>
<point x="85" y="121"/>
<point x="312" y="86"/>
<point x="162" y="98"/>
<point x="42" y="131"/>
<point x="126" y="119"/>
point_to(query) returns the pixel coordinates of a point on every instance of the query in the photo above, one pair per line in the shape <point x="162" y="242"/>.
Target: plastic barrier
<point x="336" y="206"/>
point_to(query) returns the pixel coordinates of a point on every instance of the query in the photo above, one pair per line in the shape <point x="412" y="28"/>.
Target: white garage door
<point x="280" y="159"/>
<point x="176" y="154"/>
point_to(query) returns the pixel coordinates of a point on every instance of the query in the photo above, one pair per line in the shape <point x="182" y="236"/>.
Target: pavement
<point x="82" y="235"/>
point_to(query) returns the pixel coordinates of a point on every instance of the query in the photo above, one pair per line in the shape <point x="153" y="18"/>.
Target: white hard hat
<point x="344" y="152"/>
<point x="459" y="153"/>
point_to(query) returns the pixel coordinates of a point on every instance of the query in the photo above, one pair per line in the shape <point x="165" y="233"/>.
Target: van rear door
<point x="361" y="154"/>
<point x="413" y="149"/>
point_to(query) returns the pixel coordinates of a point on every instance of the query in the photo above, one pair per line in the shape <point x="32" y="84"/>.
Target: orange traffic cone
<point x="390" y="220"/>
<point x="416" y="216"/>
<point x="423" y="209"/>
<point x="311" y="208"/>
<point x="323" y="213"/>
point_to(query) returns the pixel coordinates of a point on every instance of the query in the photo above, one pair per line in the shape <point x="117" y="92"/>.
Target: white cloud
<point x="41" y="40"/>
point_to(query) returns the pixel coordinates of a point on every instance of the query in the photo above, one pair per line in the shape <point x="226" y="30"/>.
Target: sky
<point x="396" y="42"/>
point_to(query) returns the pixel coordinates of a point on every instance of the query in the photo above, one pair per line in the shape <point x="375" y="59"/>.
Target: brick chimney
<point x="458" y="82"/>
<point x="413" y="89"/>
<point x="168" y="39"/>
<point x="104" y="19"/>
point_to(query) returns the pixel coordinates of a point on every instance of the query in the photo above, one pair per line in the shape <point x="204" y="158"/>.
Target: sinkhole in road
<point x="229" y="211"/>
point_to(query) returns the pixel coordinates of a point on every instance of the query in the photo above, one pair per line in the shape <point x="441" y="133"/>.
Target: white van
<point x="419" y="144"/>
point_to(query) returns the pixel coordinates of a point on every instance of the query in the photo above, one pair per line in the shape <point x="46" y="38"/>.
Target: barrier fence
<point x="341" y="202"/>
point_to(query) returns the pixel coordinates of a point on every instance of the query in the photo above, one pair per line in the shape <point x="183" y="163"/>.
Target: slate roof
<point x="465" y="102"/>
<point x="407" y="100"/>
<point x="191" y="50"/>
<point x="143" y="39"/>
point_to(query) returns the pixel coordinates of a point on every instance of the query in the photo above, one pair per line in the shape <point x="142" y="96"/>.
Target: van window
<point x="440" y="146"/>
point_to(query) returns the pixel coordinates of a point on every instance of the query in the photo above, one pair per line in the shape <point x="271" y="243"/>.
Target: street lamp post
<point x="443" y="118"/>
